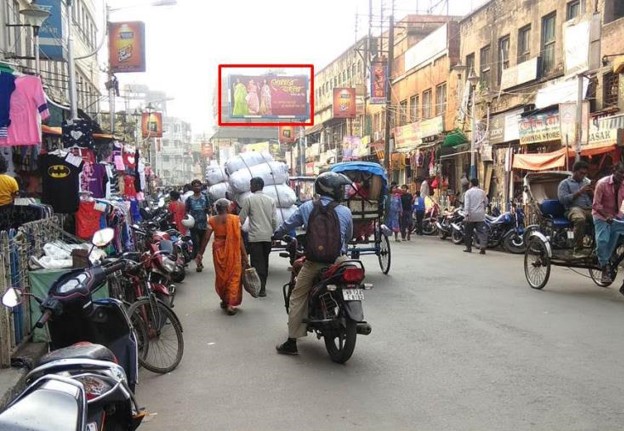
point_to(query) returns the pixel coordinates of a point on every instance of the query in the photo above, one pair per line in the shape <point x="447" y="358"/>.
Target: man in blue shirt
<point x="419" y="210"/>
<point x="330" y="187"/>
<point x="575" y="194"/>
<point x="198" y="206"/>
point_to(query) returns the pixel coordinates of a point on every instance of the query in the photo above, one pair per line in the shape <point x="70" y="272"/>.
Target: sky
<point x="185" y="43"/>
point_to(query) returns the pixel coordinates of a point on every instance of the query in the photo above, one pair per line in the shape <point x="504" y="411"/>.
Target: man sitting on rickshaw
<point x="575" y="194"/>
<point x="607" y="206"/>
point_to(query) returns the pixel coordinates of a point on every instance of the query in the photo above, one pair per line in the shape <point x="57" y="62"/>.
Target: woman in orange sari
<point x="228" y="254"/>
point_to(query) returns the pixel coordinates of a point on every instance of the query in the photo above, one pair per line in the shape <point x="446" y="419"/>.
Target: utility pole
<point x="389" y="92"/>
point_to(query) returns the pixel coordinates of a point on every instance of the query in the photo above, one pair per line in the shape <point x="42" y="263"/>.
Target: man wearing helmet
<point x="330" y="187"/>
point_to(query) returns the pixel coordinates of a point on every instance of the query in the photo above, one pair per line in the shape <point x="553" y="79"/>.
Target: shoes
<point x="200" y="267"/>
<point x="288" y="348"/>
<point x="262" y="293"/>
<point x="482" y="251"/>
<point x="467" y="250"/>
<point x="231" y="311"/>
<point x="409" y="238"/>
<point x="606" y="275"/>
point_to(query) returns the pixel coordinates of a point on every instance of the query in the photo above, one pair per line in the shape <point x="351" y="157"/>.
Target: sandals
<point x="231" y="311"/>
<point x="200" y="267"/>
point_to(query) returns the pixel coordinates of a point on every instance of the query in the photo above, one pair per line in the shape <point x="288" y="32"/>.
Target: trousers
<point x="298" y="303"/>
<point x="579" y="218"/>
<point x="405" y="223"/>
<point x="259" y="253"/>
<point x="197" y="236"/>
<point x="479" y="227"/>
<point x="607" y="236"/>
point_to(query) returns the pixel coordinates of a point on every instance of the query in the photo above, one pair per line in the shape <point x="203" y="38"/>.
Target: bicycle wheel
<point x="162" y="350"/>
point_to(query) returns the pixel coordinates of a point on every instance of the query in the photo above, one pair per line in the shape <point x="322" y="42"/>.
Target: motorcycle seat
<point x="80" y="351"/>
<point x="496" y="220"/>
<point x="166" y="245"/>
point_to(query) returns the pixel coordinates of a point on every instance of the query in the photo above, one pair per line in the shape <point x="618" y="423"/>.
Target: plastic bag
<point x="217" y="191"/>
<point x="215" y="175"/>
<point x="251" y="281"/>
<point x="283" y="195"/>
<point x="271" y="173"/>
<point x="247" y="160"/>
<point x="284" y="213"/>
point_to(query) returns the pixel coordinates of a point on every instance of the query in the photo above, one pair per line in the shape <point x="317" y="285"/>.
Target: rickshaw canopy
<point x="364" y="167"/>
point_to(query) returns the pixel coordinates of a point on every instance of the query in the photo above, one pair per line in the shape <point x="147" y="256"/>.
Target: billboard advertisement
<point x="287" y="134"/>
<point x="344" y="103"/>
<point x="151" y="125"/>
<point x="268" y="96"/>
<point x="378" y="83"/>
<point x="51" y="34"/>
<point x="126" y="46"/>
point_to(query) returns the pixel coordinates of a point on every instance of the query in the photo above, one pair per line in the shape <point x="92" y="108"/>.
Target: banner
<point x="126" y="47"/>
<point x="51" y="34"/>
<point x="287" y="134"/>
<point x="542" y="127"/>
<point x="344" y="103"/>
<point x="378" y="83"/>
<point x="151" y="125"/>
<point x="268" y="96"/>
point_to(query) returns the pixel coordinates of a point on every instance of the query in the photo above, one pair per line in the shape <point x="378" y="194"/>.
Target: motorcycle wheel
<point x="457" y="237"/>
<point x="514" y="244"/>
<point x="429" y="228"/>
<point x="178" y="276"/>
<point x="340" y="342"/>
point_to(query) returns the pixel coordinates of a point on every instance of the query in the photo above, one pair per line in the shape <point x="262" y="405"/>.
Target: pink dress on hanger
<point x="28" y="107"/>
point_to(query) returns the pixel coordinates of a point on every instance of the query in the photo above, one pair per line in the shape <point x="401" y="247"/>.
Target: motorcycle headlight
<point x="169" y="265"/>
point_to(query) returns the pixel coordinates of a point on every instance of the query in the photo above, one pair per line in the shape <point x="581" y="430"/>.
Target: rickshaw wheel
<point x="383" y="253"/>
<point x="536" y="263"/>
<point x="596" y="274"/>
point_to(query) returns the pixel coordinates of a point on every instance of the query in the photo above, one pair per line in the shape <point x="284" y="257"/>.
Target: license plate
<point x="353" y="294"/>
<point x="570" y="234"/>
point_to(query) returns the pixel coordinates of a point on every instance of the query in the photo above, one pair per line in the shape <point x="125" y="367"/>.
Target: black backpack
<point x="323" y="238"/>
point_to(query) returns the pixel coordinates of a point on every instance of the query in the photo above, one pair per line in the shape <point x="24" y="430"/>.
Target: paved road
<point x="459" y="342"/>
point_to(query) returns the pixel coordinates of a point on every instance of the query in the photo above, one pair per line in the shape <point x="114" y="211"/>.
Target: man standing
<point x="330" y="187"/>
<point x="260" y="209"/>
<point x="606" y="207"/>
<point x="419" y="210"/>
<point x="406" y="215"/>
<point x="424" y="189"/>
<point x="575" y="194"/>
<point x="475" y="202"/>
<point x="198" y="206"/>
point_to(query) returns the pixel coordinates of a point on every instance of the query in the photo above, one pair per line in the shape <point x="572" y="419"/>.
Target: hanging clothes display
<point x="77" y="132"/>
<point x="28" y="108"/>
<point x="60" y="172"/>
<point x="7" y="86"/>
<point x="88" y="219"/>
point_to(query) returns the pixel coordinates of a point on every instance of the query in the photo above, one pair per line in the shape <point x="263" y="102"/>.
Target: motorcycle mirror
<point x="161" y="202"/>
<point x="103" y="237"/>
<point x="12" y="297"/>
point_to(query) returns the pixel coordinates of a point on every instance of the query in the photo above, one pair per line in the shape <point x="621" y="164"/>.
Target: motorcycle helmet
<point x="331" y="184"/>
<point x="188" y="221"/>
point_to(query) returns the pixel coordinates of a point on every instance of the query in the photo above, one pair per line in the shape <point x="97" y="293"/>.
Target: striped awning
<point x="613" y="122"/>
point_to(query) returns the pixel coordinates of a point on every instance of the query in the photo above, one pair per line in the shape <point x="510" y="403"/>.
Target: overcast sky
<point x="186" y="42"/>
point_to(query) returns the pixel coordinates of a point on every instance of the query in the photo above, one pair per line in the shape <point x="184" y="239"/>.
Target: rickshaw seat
<point x="554" y="211"/>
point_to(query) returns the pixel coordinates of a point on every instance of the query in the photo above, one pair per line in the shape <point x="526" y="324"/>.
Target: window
<point x="548" y="42"/>
<point x="524" y="44"/>
<point x="485" y="65"/>
<point x="503" y="52"/>
<point x="403" y="113"/>
<point x="414" y="111"/>
<point x="440" y="108"/>
<point x="470" y="60"/>
<point x="573" y="9"/>
<point x="426" y="108"/>
<point x="610" y="87"/>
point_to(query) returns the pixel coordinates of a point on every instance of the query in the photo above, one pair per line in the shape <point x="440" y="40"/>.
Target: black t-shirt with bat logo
<point x="60" y="175"/>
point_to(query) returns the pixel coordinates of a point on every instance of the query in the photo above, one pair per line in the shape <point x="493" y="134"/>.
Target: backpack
<point x="323" y="238"/>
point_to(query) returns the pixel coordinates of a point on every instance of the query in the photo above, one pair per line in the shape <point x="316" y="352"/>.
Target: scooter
<point x="334" y="303"/>
<point x="107" y="369"/>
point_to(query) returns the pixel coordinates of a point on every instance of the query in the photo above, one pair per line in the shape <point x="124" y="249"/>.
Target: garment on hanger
<point x="77" y="132"/>
<point x="60" y="172"/>
<point x="7" y="86"/>
<point x="87" y="219"/>
<point x="97" y="181"/>
<point x="28" y="108"/>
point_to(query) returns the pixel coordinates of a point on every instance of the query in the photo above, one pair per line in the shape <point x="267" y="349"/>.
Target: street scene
<point x="365" y="214"/>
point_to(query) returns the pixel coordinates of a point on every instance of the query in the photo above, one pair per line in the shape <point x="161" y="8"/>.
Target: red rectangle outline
<point x="262" y="124"/>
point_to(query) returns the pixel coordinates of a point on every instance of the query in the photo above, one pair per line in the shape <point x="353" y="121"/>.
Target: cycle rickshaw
<point x="365" y="198"/>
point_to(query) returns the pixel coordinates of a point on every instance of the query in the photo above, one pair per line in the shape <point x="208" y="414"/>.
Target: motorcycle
<point x="458" y="233"/>
<point x="445" y="223"/>
<point x="108" y="368"/>
<point x="507" y="229"/>
<point x="429" y="226"/>
<point x="334" y="303"/>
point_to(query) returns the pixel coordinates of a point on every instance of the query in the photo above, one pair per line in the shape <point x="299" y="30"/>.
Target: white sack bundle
<point x="271" y="173"/>
<point x="284" y="213"/>
<point x="215" y="174"/>
<point x="247" y="160"/>
<point x="217" y="191"/>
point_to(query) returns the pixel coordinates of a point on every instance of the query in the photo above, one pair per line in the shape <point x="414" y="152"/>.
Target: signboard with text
<point x="268" y="96"/>
<point x="378" y="83"/>
<point x="151" y="125"/>
<point x="126" y="46"/>
<point x="541" y="127"/>
<point x="344" y="102"/>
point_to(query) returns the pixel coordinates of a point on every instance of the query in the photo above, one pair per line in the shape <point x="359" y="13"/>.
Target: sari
<point x="253" y="103"/>
<point x="394" y="212"/>
<point x="240" y="100"/>
<point x="226" y="255"/>
<point x="265" y="100"/>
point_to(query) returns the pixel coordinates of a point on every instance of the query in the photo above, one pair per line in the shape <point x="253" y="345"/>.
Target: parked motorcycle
<point x="334" y="303"/>
<point x="507" y="229"/>
<point x="458" y="229"/>
<point x="445" y="223"/>
<point x="108" y="368"/>
<point x="429" y="226"/>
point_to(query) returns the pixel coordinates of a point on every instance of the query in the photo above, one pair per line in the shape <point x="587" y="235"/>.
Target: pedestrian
<point x="424" y="189"/>
<point x="330" y="187"/>
<point x="228" y="255"/>
<point x="262" y="214"/>
<point x="475" y="202"/>
<point x="9" y="189"/>
<point x="419" y="209"/>
<point x="177" y="210"/>
<point x="198" y="206"/>
<point x="407" y="201"/>
<point x="394" y="211"/>
<point x="607" y="207"/>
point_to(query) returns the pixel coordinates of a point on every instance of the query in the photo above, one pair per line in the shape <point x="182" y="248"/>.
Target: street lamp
<point x="34" y="16"/>
<point x="473" y="80"/>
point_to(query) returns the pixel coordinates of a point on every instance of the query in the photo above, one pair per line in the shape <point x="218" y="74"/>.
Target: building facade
<point x="174" y="153"/>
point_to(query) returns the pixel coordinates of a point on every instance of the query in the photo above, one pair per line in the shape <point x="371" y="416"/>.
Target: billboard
<point x="378" y="83"/>
<point x="151" y="125"/>
<point x="268" y="96"/>
<point x="51" y="35"/>
<point x="344" y="103"/>
<point x="126" y="46"/>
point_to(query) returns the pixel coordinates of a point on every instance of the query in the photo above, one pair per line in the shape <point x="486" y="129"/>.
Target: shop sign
<point x="432" y="126"/>
<point x="151" y="125"/>
<point x="604" y="137"/>
<point x="350" y="147"/>
<point x="429" y="139"/>
<point x="126" y="47"/>
<point x="542" y="127"/>
<point x="51" y="34"/>
<point x="344" y="103"/>
<point x="520" y="74"/>
<point x="378" y="83"/>
<point x="512" y="125"/>
<point x="287" y="134"/>
<point x="408" y="136"/>
<point x="497" y="129"/>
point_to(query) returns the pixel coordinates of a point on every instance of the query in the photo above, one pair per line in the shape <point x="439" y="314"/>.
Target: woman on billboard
<point x="253" y="103"/>
<point x="240" y="99"/>
<point x="265" y="98"/>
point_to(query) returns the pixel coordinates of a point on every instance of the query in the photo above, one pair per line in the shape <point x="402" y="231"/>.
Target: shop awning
<point x="454" y="139"/>
<point x="540" y="161"/>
